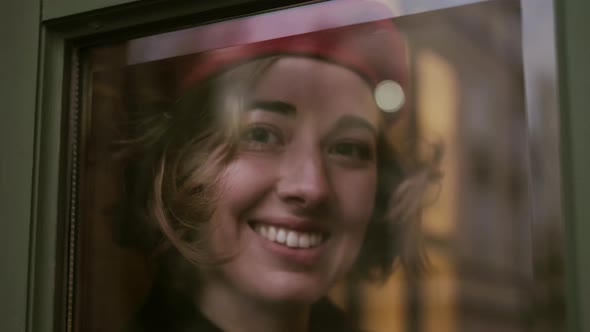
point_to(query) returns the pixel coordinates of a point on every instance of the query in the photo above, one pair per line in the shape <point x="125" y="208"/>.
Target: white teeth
<point x="290" y="238"/>
<point x="304" y="241"/>
<point x="281" y="236"/>
<point x="271" y="234"/>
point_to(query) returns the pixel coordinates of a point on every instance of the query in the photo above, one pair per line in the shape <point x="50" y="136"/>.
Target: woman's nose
<point x="304" y="180"/>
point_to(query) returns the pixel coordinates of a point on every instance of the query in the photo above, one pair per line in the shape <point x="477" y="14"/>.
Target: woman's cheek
<point x="244" y="181"/>
<point x="357" y="194"/>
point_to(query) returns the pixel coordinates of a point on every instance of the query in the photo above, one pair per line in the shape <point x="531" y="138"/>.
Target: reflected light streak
<point x="437" y="117"/>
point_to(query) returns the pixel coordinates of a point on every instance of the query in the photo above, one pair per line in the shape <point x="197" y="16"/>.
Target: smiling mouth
<point x="288" y="237"/>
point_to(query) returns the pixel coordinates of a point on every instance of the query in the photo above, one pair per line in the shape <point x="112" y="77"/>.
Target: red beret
<point x="375" y="50"/>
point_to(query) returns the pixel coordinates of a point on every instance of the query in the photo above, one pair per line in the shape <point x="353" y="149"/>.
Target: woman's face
<point x="295" y="201"/>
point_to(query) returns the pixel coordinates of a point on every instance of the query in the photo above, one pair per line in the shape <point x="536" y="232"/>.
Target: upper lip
<point x="293" y="223"/>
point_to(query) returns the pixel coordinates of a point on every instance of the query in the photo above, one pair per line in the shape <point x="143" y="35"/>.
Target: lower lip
<point x="300" y="256"/>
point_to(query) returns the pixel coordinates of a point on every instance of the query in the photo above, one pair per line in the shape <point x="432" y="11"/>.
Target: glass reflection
<point x="231" y="175"/>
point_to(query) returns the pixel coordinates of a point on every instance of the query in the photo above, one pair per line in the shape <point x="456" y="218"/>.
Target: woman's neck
<point x="233" y="312"/>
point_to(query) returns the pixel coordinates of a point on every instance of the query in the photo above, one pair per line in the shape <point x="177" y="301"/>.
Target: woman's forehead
<point x="312" y="84"/>
<point x="315" y="70"/>
<point x="310" y="78"/>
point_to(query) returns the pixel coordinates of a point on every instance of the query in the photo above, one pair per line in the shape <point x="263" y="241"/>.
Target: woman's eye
<point x="261" y="136"/>
<point x="353" y="150"/>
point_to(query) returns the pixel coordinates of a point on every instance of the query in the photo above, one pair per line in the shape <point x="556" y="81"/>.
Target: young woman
<point x="273" y="177"/>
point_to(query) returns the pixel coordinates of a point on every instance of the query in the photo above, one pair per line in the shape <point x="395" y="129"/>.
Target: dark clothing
<point x="166" y="313"/>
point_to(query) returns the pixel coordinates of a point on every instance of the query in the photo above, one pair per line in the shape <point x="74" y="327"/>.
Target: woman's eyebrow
<point x="353" y="122"/>
<point x="275" y="106"/>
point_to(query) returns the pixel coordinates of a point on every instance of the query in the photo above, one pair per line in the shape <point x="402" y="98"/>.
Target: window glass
<point x="346" y="165"/>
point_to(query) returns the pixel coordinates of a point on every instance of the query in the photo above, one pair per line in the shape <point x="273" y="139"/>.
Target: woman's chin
<point x="291" y="290"/>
